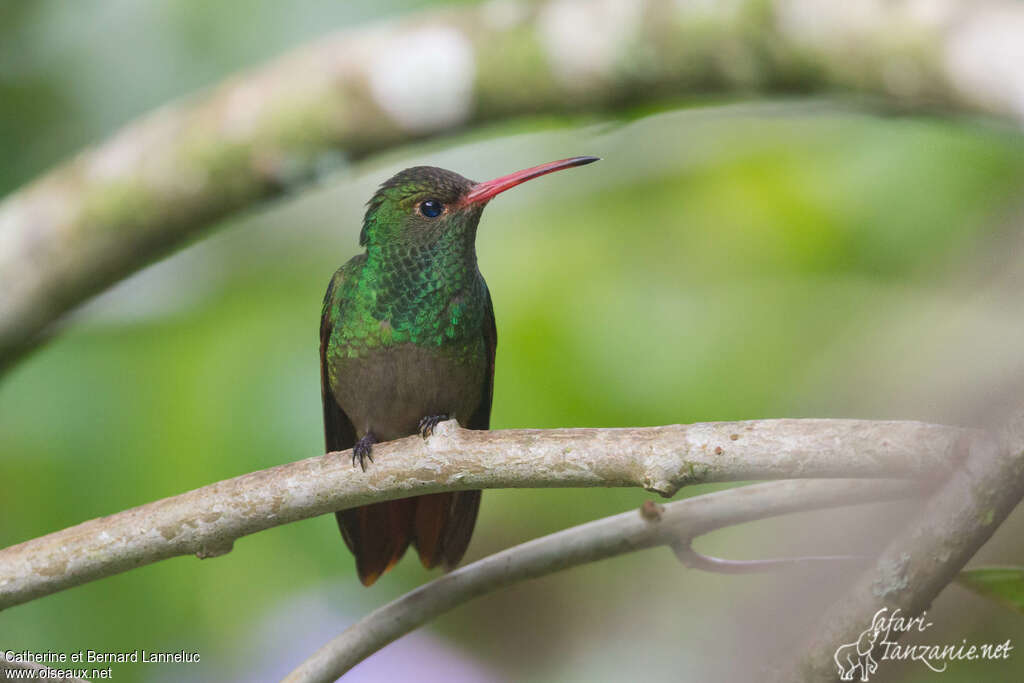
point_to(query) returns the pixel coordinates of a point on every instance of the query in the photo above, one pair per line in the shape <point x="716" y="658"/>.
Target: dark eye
<point x="431" y="208"/>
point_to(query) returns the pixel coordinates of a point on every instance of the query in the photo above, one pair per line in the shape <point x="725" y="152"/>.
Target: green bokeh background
<point x="727" y="260"/>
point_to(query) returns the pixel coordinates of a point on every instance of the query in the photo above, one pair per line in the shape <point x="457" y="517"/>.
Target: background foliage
<point x="726" y="260"/>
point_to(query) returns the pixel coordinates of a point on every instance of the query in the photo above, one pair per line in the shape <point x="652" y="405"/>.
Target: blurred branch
<point x="694" y="560"/>
<point x="628" y="532"/>
<point x="927" y="555"/>
<point x="206" y="521"/>
<point x="156" y="183"/>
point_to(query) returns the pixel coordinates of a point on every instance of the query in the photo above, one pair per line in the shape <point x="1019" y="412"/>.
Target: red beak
<point x="483" y="192"/>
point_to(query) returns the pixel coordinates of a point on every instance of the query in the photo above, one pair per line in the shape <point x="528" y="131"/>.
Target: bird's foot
<point x="428" y="423"/>
<point x="363" y="450"/>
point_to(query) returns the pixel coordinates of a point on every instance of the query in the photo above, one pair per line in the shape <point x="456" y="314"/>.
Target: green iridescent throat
<point x="425" y="291"/>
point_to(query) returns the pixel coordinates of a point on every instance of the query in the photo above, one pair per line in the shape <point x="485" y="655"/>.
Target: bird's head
<point x="421" y="205"/>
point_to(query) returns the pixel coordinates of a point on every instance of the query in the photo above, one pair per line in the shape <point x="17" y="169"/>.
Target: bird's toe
<point x="363" y="451"/>
<point x="428" y="423"/>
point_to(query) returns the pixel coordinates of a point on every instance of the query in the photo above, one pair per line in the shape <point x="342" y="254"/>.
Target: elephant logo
<point x="856" y="656"/>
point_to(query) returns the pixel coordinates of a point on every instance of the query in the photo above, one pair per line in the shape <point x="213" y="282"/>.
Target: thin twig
<point x="597" y="540"/>
<point x="206" y="521"/>
<point x="694" y="560"/>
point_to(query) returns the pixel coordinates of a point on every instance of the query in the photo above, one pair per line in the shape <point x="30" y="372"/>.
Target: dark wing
<point x="339" y="434"/>
<point x="376" y="534"/>
<point x="445" y="521"/>
<point x="481" y="419"/>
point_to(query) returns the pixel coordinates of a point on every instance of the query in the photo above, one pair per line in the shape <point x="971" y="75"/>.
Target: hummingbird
<point x="408" y="339"/>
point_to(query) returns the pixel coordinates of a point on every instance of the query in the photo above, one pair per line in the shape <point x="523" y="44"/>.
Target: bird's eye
<point x="431" y="208"/>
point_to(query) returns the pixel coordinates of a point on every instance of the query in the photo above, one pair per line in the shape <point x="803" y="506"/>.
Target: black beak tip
<point x="583" y="161"/>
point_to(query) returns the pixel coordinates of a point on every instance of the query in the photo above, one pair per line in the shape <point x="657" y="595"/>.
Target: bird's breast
<point x="388" y="389"/>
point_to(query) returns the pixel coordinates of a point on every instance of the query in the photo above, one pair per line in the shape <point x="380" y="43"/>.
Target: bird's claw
<point x="428" y="423"/>
<point x="363" y="450"/>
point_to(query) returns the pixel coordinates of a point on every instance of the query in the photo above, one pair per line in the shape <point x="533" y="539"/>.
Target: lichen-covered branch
<point x="156" y="183"/>
<point x="671" y="524"/>
<point x="206" y="521"/>
<point x="922" y="560"/>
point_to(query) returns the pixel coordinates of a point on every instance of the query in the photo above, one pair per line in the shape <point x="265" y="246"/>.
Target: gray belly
<point x="389" y="390"/>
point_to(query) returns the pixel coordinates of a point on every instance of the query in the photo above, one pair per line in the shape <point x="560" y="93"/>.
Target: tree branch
<point x="152" y="186"/>
<point x="674" y="523"/>
<point x="694" y="560"/>
<point x="923" y="559"/>
<point x="206" y="521"/>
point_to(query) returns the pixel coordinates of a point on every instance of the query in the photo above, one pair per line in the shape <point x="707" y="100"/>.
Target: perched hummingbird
<point x="407" y="339"/>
